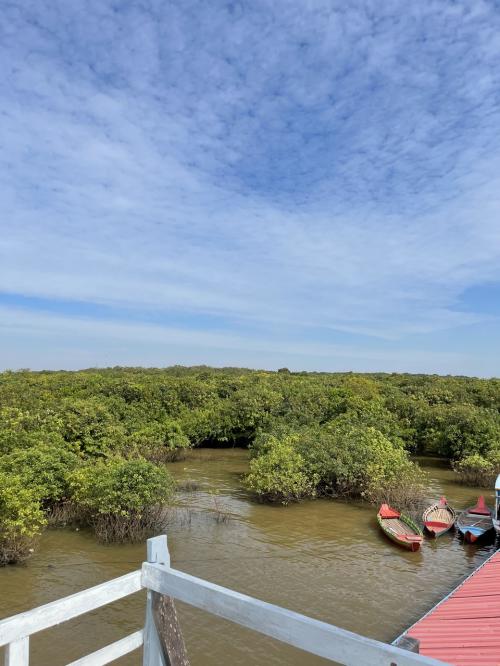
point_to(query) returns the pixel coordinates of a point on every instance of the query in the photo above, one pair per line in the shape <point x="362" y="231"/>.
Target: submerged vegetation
<point x="91" y="445"/>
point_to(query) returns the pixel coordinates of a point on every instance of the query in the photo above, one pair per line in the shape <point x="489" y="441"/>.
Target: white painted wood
<point x="157" y="552"/>
<point x="17" y="653"/>
<point x="303" y="632"/>
<point x="112" y="652"/>
<point x="61" y="610"/>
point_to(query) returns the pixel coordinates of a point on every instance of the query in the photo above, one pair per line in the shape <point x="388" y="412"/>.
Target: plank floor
<point x="464" y="629"/>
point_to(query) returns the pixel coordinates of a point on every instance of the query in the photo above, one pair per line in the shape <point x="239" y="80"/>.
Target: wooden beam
<point x="163" y="642"/>
<point x="319" y="638"/>
<point x="169" y="630"/>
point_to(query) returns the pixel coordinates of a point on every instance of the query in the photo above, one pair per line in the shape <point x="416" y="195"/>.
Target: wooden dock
<point x="464" y="628"/>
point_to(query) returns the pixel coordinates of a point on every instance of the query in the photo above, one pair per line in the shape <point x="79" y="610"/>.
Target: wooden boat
<point x="439" y="518"/>
<point x="476" y="521"/>
<point x="399" y="528"/>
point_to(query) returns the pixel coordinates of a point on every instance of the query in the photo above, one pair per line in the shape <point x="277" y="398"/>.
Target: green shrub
<point x="393" y="478"/>
<point x="43" y="468"/>
<point x="24" y="429"/>
<point x="91" y="427"/>
<point x="493" y="457"/>
<point x="457" y="431"/>
<point x="477" y="470"/>
<point x="124" y="500"/>
<point x="356" y="460"/>
<point x="160" y="442"/>
<point x="278" y="474"/>
<point x="335" y="459"/>
<point x="21" y="519"/>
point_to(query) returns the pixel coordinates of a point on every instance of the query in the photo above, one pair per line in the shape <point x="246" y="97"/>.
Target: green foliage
<point x="123" y="500"/>
<point x="159" y="442"/>
<point x="456" y="431"/>
<point x="121" y="487"/>
<point x="278" y="474"/>
<point x="44" y="469"/>
<point x="91" y="427"/>
<point x="478" y="470"/>
<point x="338" y="458"/>
<point x="21" y="518"/>
<point x="309" y="433"/>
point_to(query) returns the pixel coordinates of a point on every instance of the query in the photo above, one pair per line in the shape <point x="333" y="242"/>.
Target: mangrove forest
<point x="90" y="447"/>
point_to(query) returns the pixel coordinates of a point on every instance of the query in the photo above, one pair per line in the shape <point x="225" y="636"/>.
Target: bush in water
<point x="478" y="470"/>
<point x="278" y="474"/>
<point x="334" y="459"/>
<point x="123" y="500"/>
<point x="21" y="519"/>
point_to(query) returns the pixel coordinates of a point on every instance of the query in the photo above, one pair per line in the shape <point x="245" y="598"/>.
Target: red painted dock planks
<point x="464" y="629"/>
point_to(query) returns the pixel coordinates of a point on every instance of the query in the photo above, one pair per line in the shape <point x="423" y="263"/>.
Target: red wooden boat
<point x="439" y="518"/>
<point x="399" y="528"/>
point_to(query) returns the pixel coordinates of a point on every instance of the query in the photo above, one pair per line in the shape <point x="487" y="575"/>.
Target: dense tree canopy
<point x="309" y="433"/>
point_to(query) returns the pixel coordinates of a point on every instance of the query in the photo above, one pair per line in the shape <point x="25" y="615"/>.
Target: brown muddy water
<point x="326" y="559"/>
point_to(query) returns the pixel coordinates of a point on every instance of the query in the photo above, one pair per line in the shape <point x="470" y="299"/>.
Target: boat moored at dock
<point x="476" y="521"/>
<point x="496" y="517"/>
<point x="400" y="528"/>
<point x="439" y="518"/>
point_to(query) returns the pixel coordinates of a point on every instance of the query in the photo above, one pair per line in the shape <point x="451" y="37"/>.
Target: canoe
<point x="476" y="521"/>
<point x="399" y="528"/>
<point x="439" y="518"/>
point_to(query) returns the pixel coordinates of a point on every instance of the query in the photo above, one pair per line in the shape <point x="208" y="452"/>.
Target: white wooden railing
<point x="156" y="575"/>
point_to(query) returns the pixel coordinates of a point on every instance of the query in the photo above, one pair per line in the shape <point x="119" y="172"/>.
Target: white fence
<point x="313" y="636"/>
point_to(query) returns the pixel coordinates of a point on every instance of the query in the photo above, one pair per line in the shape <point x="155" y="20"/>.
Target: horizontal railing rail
<point x="157" y="576"/>
<point x="111" y="652"/>
<point x="308" y="634"/>
<point x="16" y="630"/>
<point x="55" y="612"/>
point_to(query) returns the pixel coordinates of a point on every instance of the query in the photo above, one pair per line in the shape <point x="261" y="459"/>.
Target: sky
<point x="303" y="184"/>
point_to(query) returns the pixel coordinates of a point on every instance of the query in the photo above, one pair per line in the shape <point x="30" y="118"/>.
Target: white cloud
<point x="327" y="166"/>
<point x="138" y="340"/>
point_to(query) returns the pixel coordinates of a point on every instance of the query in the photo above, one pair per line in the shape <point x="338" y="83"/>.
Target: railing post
<point x="17" y="653"/>
<point x="163" y="641"/>
<point x="157" y="551"/>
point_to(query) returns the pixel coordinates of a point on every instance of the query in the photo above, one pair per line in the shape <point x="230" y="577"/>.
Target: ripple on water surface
<point x="323" y="558"/>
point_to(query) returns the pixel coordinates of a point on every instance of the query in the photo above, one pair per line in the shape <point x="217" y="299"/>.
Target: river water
<point x="326" y="559"/>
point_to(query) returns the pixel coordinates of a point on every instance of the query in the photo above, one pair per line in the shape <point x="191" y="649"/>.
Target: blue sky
<point x="305" y="184"/>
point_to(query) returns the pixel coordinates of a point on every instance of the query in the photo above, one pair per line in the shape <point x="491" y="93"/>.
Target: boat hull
<point x="473" y="535"/>
<point x="413" y="538"/>
<point x="434" y="533"/>
<point x="439" y="518"/>
<point x="413" y="546"/>
<point x="476" y="524"/>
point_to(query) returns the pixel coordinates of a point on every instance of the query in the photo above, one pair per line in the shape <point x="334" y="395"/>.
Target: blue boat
<point x="475" y="522"/>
